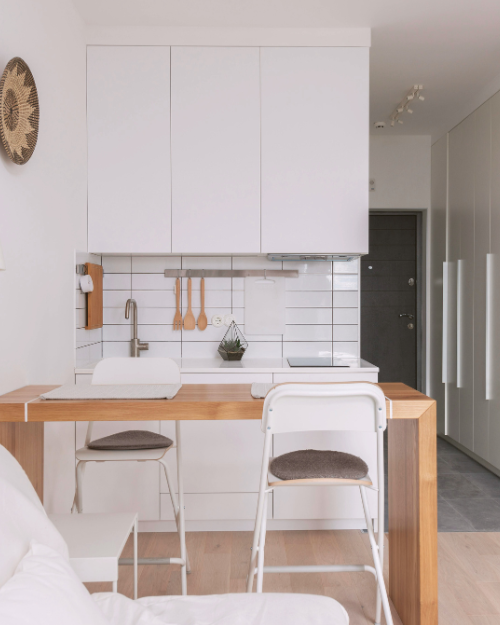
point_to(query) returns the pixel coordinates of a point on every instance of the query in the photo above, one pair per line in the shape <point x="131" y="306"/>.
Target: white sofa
<point x="38" y="585"/>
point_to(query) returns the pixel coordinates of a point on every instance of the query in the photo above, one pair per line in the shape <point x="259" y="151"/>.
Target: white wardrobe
<point x="466" y="189"/>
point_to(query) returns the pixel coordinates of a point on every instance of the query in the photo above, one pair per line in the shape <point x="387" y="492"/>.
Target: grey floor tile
<point x="443" y="466"/>
<point x="464" y="464"/>
<point x="449" y="520"/>
<point x="487" y="482"/>
<point x="457" y="486"/>
<point x="483" y="513"/>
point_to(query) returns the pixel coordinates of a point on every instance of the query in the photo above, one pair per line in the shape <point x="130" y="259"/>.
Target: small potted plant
<point x="233" y="345"/>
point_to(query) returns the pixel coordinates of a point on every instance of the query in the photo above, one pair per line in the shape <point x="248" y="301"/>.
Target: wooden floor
<point x="469" y="570"/>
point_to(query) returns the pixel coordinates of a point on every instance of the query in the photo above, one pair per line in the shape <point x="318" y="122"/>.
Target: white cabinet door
<point x="128" y="113"/>
<point x="215" y="150"/>
<point x="482" y="182"/>
<point x="461" y="251"/>
<point x="314" y="117"/>
<point x="438" y="355"/>
<point x="494" y="403"/>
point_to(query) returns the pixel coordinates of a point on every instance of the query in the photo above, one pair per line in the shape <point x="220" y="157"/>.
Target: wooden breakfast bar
<point x="412" y="471"/>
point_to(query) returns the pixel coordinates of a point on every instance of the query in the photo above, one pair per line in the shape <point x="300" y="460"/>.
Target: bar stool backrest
<point x="136" y="371"/>
<point x="357" y="406"/>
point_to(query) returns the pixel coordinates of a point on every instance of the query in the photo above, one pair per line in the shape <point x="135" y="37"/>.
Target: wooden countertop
<point x="192" y="402"/>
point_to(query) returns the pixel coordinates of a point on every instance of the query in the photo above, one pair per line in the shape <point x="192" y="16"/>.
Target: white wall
<point x="43" y="212"/>
<point x="401" y="167"/>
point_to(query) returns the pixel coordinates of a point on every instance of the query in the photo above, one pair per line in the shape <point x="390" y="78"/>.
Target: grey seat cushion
<point x="130" y="440"/>
<point x="313" y="464"/>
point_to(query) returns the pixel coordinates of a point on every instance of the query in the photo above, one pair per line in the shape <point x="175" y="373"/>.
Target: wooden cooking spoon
<point x="202" y="319"/>
<point x="189" y="321"/>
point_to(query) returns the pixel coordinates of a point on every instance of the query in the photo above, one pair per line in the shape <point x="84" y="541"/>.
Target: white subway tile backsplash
<point x="95" y="352"/>
<point x="298" y="349"/>
<point x="350" y="267"/>
<point x="309" y="282"/>
<point x="346" y="299"/>
<point x="308" y="315"/>
<point x="81" y="317"/>
<point x="154" y="299"/>
<point x="321" y="314"/>
<point x="115" y="350"/>
<point x="80" y="299"/>
<point x="345" y="333"/>
<point x="308" y="333"/>
<point x="346" y="350"/>
<point x="155" y="264"/>
<point x="117" y="282"/>
<point x="87" y="337"/>
<point x="308" y="299"/>
<point x="206" y="262"/>
<point x="255" y="262"/>
<point x="213" y="299"/>
<point x="152" y="282"/>
<point x="345" y="282"/>
<point x="116" y="316"/>
<point x="345" y="316"/>
<point x="116" y="264"/>
<point x="211" y="333"/>
<point x="313" y="267"/>
<point x="115" y="299"/>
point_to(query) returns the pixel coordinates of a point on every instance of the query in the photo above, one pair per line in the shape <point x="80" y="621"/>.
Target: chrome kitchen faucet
<point x="135" y="344"/>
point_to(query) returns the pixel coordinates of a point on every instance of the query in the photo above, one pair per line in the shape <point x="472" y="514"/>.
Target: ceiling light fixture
<point x="414" y="94"/>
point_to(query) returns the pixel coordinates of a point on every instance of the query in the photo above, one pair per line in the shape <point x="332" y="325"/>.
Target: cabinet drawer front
<point x="216" y="507"/>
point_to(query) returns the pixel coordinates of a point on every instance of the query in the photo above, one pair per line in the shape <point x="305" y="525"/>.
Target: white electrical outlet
<point x="217" y="321"/>
<point x="228" y="320"/>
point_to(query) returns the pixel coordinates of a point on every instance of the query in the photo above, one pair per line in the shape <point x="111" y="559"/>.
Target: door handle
<point x="406" y="315"/>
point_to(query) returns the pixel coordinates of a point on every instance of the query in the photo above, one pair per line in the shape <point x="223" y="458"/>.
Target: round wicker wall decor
<point x="19" y="111"/>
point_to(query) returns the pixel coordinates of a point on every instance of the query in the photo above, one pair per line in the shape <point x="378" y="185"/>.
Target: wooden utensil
<point x="189" y="320"/>
<point x="202" y="319"/>
<point x="178" y="316"/>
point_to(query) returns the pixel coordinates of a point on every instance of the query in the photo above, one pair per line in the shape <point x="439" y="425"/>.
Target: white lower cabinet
<point x="216" y="507"/>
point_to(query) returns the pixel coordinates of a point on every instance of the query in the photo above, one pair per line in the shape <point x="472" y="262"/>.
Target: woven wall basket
<point x="19" y="111"/>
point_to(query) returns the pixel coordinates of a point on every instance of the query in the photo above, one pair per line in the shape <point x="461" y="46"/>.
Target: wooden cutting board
<point x="94" y="299"/>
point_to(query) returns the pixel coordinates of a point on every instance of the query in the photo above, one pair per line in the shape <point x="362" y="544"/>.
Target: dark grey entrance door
<point x="389" y="298"/>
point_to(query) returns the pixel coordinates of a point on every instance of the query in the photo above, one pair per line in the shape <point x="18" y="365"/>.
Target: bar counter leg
<point x="413" y="518"/>
<point x="25" y="443"/>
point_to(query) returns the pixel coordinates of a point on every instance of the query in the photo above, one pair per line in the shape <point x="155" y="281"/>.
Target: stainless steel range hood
<point x="310" y="258"/>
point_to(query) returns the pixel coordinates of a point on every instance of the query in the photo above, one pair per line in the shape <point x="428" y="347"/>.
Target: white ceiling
<point x="452" y="47"/>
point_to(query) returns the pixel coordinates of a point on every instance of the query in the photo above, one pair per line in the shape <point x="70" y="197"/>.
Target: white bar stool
<point x="322" y="407"/>
<point x="138" y="445"/>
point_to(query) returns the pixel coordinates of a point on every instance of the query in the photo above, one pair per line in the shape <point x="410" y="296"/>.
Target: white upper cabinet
<point x="128" y="111"/>
<point x="215" y="150"/>
<point x="315" y="134"/>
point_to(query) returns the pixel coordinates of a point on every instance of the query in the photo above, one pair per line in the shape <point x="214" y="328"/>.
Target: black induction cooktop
<point x="316" y="362"/>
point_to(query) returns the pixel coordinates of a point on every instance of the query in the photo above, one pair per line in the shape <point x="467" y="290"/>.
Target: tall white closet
<point x="471" y="280"/>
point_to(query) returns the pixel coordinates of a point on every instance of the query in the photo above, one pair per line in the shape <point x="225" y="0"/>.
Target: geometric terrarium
<point x="233" y="345"/>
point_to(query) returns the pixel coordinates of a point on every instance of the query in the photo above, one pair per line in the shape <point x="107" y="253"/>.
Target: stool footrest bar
<point x="327" y="568"/>
<point x="126" y="561"/>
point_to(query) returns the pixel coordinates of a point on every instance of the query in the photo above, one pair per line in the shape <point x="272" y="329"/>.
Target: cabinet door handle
<point x="489" y="320"/>
<point x="444" y="359"/>
<point x="460" y="265"/>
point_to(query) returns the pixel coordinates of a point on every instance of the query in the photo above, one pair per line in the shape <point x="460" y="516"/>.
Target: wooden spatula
<point x="202" y="319"/>
<point x="189" y="320"/>
<point x="178" y="316"/>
